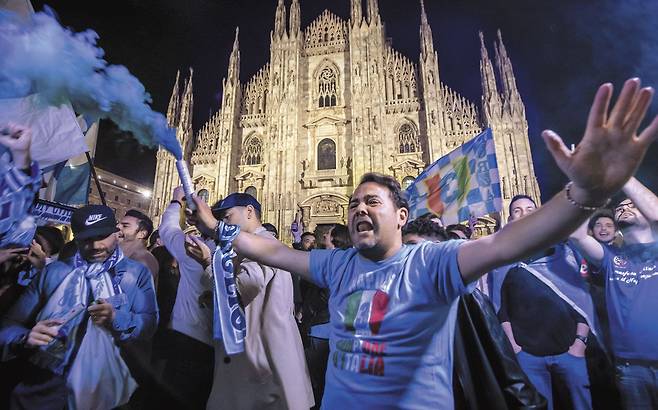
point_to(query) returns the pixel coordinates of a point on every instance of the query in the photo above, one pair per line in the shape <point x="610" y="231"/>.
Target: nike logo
<point x="92" y="219"/>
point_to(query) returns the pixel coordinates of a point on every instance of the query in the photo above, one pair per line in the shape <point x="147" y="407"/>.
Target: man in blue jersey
<point x="392" y="305"/>
<point x="631" y="287"/>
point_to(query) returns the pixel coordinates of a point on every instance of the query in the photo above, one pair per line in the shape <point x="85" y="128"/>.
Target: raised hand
<point x="611" y="150"/>
<point x="9" y="254"/>
<point x="17" y="138"/>
<point x="36" y="256"/>
<point x="197" y="250"/>
<point x="206" y="222"/>
<point x="179" y="194"/>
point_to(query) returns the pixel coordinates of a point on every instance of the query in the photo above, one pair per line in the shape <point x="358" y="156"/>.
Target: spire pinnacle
<point x="356" y="14"/>
<point x="426" y="38"/>
<point x="295" y="19"/>
<point x="173" y="109"/>
<point x="423" y="15"/>
<point x="236" y="42"/>
<point x="280" y="20"/>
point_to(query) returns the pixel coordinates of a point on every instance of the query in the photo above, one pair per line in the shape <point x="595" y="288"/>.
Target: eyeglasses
<point x="621" y="207"/>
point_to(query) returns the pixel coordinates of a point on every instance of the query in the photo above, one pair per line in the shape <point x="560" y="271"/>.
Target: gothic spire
<point x="356" y="14"/>
<point x="504" y="66"/>
<point x="280" y="20"/>
<point x="489" y="88"/>
<point x="234" y="60"/>
<point x="186" y="104"/>
<point x="426" y="39"/>
<point x="295" y="19"/>
<point x="173" y="110"/>
<point x="373" y="12"/>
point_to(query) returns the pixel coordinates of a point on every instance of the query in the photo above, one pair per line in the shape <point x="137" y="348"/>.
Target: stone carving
<point x="326" y="207"/>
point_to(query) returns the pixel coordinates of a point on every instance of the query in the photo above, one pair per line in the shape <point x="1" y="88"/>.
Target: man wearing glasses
<point x="631" y="281"/>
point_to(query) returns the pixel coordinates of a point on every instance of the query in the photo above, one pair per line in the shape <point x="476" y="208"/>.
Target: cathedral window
<point x="251" y="190"/>
<point x="326" y="154"/>
<point x="327" y="88"/>
<point x="204" y="194"/>
<point x="408" y="139"/>
<point x="407" y="181"/>
<point x="253" y="152"/>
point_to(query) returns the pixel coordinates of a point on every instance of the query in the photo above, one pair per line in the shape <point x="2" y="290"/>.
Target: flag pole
<point x="93" y="174"/>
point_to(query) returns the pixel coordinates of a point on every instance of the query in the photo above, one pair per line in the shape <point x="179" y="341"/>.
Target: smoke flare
<point x="38" y="55"/>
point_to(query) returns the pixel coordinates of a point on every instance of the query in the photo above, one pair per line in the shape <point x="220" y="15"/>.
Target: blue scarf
<point x="229" y="323"/>
<point x="69" y="301"/>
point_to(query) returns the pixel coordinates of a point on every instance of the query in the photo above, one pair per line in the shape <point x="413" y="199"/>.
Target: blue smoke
<point x="38" y="55"/>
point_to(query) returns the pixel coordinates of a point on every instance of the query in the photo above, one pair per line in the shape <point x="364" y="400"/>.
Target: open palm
<point x="611" y="149"/>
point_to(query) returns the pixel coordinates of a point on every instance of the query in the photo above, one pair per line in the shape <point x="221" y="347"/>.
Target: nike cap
<point x="93" y="221"/>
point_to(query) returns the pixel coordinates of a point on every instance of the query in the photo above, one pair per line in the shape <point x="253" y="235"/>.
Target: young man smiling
<point x="392" y="310"/>
<point x="134" y="231"/>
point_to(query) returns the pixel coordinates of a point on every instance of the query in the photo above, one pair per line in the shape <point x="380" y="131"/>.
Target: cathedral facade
<point x="336" y="101"/>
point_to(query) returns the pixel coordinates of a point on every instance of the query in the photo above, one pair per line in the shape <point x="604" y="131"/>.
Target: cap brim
<point x="96" y="232"/>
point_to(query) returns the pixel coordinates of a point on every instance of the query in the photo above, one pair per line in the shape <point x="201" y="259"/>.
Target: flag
<point x="460" y="185"/>
<point x="71" y="184"/>
<point x="56" y="135"/>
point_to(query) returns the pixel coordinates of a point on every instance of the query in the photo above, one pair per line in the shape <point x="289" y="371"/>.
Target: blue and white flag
<point x="459" y="185"/>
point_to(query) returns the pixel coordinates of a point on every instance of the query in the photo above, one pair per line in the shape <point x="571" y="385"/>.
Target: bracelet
<point x="176" y="201"/>
<point x="582" y="207"/>
<point x="583" y="339"/>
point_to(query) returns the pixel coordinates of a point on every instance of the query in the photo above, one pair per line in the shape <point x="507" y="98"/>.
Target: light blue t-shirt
<point x="392" y="326"/>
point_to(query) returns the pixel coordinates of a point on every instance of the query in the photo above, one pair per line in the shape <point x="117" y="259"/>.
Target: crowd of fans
<point x="363" y="315"/>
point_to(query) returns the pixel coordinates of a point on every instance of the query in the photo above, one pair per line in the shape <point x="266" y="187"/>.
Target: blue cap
<point x="236" y="199"/>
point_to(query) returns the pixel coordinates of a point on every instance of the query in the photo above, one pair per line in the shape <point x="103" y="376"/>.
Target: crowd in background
<point x="362" y="314"/>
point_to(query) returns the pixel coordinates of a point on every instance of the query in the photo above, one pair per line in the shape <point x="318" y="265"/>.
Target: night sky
<point x="561" y="50"/>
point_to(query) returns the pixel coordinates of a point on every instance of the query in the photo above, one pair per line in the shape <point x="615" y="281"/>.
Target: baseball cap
<point x="236" y="199"/>
<point x="93" y="221"/>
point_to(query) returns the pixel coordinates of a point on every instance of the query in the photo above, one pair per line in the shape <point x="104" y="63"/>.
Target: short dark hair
<point x="517" y="197"/>
<point x="144" y="222"/>
<point x="153" y="238"/>
<point x="271" y="228"/>
<point x="390" y="183"/>
<point x="307" y="234"/>
<point x="459" y="227"/>
<point x="340" y="237"/>
<point x="426" y="228"/>
<point x="51" y="235"/>
<point x="601" y="213"/>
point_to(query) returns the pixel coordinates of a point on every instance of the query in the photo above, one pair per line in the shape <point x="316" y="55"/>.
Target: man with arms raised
<point x="271" y="373"/>
<point x="392" y="311"/>
<point x="631" y="285"/>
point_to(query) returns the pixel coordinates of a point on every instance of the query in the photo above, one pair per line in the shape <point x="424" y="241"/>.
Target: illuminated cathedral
<point x="334" y="101"/>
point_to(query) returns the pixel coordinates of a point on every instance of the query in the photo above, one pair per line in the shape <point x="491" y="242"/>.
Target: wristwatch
<point x="582" y="339"/>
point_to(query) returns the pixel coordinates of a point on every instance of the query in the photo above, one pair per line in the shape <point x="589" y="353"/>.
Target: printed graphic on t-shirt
<point x="631" y="274"/>
<point x="364" y="313"/>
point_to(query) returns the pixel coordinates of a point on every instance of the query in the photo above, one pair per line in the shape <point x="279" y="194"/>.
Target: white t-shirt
<point x="188" y="316"/>
<point x="392" y="326"/>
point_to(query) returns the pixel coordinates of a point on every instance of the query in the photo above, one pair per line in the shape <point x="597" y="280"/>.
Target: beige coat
<point x="272" y="373"/>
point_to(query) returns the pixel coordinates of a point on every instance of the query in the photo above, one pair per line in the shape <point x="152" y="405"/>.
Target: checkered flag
<point x="459" y="185"/>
